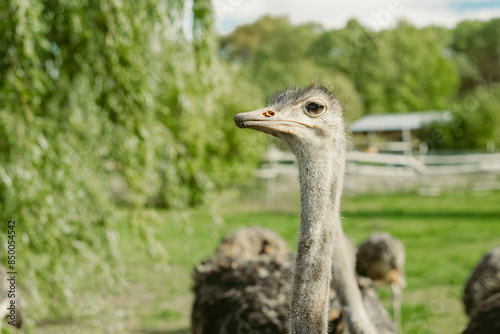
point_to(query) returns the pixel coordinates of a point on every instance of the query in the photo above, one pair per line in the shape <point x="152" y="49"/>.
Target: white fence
<point x="371" y="163"/>
<point x="376" y="172"/>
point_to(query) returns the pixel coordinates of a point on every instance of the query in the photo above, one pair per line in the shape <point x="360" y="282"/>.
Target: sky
<point x="376" y="14"/>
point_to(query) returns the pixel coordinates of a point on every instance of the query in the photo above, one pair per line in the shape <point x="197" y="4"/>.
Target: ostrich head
<point x="306" y="119"/>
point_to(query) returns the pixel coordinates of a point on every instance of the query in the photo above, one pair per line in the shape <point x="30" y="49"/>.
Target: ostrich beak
<point x="263" y="120"/>
<point x="247" y="119"/>
<point x="268" y="121"/>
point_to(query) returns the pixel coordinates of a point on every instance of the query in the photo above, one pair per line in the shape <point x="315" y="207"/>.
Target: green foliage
<point x="388" y="67"/>
<point x="51" y="181"/>
<point x="475" y="123"/>
<point x="477" y="48"/>
<point x="100" y="98"/>
<point x="424" y="77"/>
<point x="282" y="60"/>
<point x="245" y="42"/>
<point x="198" y="101"/>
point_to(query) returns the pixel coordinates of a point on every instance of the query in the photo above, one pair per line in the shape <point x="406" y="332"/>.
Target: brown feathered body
<point x="246" y="288"/>
<point x="486" y="317"/>
<point x="482" y="295"/>
<point x="483" y="282"/>
<point x="376" y="312"/>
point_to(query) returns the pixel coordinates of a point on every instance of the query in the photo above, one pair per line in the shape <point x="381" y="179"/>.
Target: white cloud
<point x="333" y="14"/>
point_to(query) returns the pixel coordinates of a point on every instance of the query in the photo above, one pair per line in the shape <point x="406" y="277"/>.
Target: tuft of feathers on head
<point x="293" y="95"/>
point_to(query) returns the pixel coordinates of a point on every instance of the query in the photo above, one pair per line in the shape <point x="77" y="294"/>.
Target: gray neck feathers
<point x="346" y="286"/>
<point x="321" y="175"/>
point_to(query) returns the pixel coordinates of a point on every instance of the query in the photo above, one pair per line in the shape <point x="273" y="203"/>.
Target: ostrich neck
<point x="346" y="286"/>
<point x="321" y="177"/>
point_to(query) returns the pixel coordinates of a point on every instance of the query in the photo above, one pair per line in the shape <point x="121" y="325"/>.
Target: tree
<point x="75" y="110"/>
<point x="99" y="93"/>
<point x="425" y="76"/>
<point x="395" y="70"/>
<point x="474" y="124"/>
<point x="477" y="51"/>
<point x="245" y="41"/>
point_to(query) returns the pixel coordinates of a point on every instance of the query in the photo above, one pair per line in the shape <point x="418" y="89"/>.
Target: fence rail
<point x="392" y="172"/>
<point x="424" y="164"/>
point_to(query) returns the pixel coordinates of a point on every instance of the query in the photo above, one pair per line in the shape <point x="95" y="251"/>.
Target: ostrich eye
<point x="314" y="109"/>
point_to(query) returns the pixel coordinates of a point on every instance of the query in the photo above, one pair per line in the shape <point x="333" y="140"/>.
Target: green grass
<point x="444" y="238"/>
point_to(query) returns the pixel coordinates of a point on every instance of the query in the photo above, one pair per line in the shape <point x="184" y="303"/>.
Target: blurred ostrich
<point x="483" y="282"/>
<point x="382" y="258"/>
<point x="246" y="286"/>
<point x="482" y="295"/>
<point x="5" y="287"/>
<point x="486" y="317"/>
<point x="375" y="310"/>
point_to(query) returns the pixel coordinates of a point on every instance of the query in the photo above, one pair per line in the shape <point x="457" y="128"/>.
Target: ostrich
<point x="483" y="282"/>
<point x="5" y="287"/>
<point x="486" y="317"/>
<point x="376" y="312"/>
<point x="482" y="295"/>
<point x="246" y="287"/>
<point x="382" y="258"/>
<point x="310" y="122"/>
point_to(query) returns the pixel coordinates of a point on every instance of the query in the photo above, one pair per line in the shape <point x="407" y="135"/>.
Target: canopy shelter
<point x="396" y="129"/>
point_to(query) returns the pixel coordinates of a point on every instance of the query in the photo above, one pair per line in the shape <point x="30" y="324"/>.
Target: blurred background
<point x="122" y="166"/>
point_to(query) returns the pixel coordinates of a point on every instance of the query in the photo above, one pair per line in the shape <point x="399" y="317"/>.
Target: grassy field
<point x="444" y="237"/>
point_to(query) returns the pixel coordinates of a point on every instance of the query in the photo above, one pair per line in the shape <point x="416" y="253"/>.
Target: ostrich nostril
<point x="268" y="113"/>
